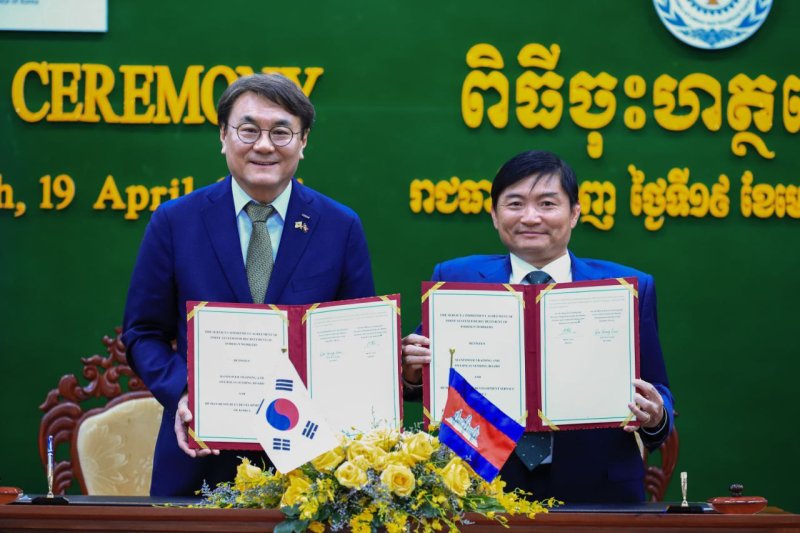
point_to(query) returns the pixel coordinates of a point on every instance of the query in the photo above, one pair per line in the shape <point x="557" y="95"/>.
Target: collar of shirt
<point x="560" y="269"/>
<point x="274" y="223"/>
<point x="240" y="199"/>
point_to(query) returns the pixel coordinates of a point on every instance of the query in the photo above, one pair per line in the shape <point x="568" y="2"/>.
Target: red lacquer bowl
<point x="738" y="504"/>
<point x="9" y="494"/>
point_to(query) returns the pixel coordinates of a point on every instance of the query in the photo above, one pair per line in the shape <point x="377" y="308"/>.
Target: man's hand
<point x="416" y="353"/>
<point x="648" y="406"/>
<point x="182" y="419"/>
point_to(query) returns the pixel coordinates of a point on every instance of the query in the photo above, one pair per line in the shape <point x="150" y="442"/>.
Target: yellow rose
<point x="419" y="446"/>
<point x="398" y="479"/>
<point x="456" y="477"/>
<point x="328" y="461"/>
<point x="384" y="438"/>
<point x="247" y="475"/>
<point x="351" y="476"/>
<point x="295" y="492"/>
<point x="401" y="458"/>
<point x="364" y="455"/>
<point x="378" y="459"/>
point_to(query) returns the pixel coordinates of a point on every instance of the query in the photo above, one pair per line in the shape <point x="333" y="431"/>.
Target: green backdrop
<point x="389" y="109"/>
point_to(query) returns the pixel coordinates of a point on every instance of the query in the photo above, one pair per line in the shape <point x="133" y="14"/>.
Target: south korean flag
<point x="289" y="427"/>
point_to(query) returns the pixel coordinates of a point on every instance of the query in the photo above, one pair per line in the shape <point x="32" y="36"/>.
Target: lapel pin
<point x="301" y="225"/>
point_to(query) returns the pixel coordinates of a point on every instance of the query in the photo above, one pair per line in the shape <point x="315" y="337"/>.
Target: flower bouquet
<point x="383" y="478"/>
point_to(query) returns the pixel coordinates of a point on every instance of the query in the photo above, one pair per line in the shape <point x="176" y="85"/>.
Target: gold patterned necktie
<point x="533" y="448"/>
<point x="259" y="252"/>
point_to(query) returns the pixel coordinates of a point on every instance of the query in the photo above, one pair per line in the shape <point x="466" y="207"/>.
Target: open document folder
<point x="347" y="353"/>
<point x="556" y="356"/>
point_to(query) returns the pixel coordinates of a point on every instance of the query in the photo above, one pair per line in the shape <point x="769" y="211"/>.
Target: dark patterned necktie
<point x="533" y="448"/>
<point x="538" y="277"/>
<point x="259" y="252"/>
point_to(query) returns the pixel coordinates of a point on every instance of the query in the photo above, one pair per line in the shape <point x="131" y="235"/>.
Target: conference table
<point x="108" y="513"/>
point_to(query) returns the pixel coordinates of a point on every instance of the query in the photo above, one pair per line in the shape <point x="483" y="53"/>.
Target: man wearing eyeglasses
<point x="258" y="236"/>
<point x="534" y="210"/>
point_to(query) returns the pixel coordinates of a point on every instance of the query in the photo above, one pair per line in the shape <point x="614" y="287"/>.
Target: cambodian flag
<point x="477" y="430"/>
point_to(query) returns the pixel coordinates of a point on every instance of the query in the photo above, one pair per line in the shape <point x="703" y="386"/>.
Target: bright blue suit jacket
<point x="191" y="251"/>
<point x="600" y="465"/>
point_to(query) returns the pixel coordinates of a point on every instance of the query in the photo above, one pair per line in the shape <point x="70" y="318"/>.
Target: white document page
<point x="486" y="330"/>
<point x="234" y="350"/>
<point x="352" y="365"/>
<point x="588" y="354"/>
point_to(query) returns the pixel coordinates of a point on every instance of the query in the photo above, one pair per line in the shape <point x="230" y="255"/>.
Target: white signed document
<point x="587" y="353"/>
<point x="352" y="364"/>
<point x="234" y="350"/>
<point x="485" y="331"/>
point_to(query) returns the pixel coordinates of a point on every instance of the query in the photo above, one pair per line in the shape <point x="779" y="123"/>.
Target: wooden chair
<point x="110" y="447"/>
<point x="657" y="477"/>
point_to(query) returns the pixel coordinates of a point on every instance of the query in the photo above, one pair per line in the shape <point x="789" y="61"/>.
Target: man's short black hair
<point x="275" y="88"/>
<point x="535" y="163"/>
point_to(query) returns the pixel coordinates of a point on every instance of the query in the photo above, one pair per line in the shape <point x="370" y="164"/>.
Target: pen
<point x="684" y="486"/>
<point x="50" y="466"/>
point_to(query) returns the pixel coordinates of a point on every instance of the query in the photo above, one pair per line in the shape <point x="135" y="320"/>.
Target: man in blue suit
<point x="256" y="236"/>
<point x="534" y="209"/>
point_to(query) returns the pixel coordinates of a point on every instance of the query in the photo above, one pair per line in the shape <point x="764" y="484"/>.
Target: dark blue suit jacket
<point x="600" y="465"/>
<point x="191" y="251"/>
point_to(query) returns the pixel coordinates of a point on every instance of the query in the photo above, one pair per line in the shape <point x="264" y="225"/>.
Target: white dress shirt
<point x="560" y="269"/>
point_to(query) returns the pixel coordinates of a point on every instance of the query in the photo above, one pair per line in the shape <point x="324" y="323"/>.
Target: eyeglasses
<point x="278" y="136"/>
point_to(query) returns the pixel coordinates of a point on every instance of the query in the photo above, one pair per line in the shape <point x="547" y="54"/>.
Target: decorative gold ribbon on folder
<point x="625" y="422"/>
<point x="628" y="286"/>
<point x="280" y="312"/>
<point x="196" y="439"/>
<point x="309" y="310"/>
<point x="516" y="293"/>
<point x="436" y="286"/>
<point x="548" y="422"/>
<point x="544" y="291"/>
<point x="391" y="302"/>
<point x="431" y="424"/>
<point x="190" y="314"/>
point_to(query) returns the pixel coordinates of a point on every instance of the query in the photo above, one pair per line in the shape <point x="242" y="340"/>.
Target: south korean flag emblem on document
<point x="289" y="427"/>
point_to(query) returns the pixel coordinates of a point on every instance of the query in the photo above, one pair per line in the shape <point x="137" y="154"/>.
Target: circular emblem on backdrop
<point x="712" y="24"/>
<point x="282" y="414"/>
